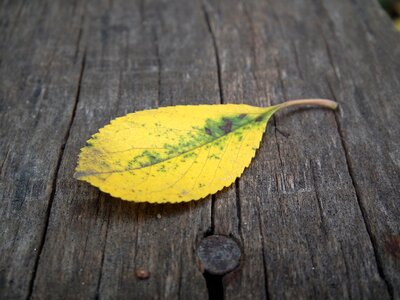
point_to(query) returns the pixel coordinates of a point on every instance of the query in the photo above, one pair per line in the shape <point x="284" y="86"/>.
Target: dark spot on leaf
<point x="241" y="116"/>
<point x="227" y="126"/>
<point x="103" y="163"/>
<point x="208" y="131"/>
<point x="259" y="118"/>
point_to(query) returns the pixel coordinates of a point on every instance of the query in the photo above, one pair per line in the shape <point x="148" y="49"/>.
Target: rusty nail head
<point x="218" y="254"/>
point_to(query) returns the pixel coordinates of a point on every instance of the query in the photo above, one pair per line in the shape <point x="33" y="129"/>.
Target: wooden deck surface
<point x="316" y="215"/>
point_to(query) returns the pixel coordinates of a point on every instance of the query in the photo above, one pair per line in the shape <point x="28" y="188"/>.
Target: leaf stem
<point x="318" y="102"/>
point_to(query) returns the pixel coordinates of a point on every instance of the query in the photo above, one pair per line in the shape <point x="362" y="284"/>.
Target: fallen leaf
<point x="177" y="153"/>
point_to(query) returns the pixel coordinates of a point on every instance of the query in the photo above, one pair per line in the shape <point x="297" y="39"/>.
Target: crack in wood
<point x="212" y="215"/>
<point x="264" y="261"/>
<point x="214" y="283"/>
<point x="379" y="263"/>
<point x="318" y="198"/>
<point x="78" y="42"/>
<point x="346" y="266"/>
<point x="97" y="295"/>
<point x="216" y="53"/>
<point x="238" y="210"/>
<point x="54" y="183"/>
<point x="214" y="286"/>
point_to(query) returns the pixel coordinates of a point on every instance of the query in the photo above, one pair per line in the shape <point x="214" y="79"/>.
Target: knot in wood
<point x="218" y="254"/>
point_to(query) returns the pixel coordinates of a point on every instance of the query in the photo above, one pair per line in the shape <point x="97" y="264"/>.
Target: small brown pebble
<point x="142" y="273"/>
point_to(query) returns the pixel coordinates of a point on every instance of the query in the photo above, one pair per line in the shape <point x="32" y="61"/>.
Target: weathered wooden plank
<point x="315" y="214"/>
<point x="38" y="86"/>
<point x="138" y="55"/>
<point x="369" y="121"/>
<point x="301" y="227"/>
<point x="10" y="12"/>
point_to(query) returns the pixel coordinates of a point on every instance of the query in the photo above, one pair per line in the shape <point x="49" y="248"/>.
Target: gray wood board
<point x="39" y="79"/>
<point x="316" y="213"/>
<point x="132" y="61"/>
<point x="305" y="226"/>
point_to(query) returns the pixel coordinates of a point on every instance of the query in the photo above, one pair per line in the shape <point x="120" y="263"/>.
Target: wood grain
<point x="39" y="80"/>
<point x="131" y="63"/>
<point x="309" y="220"/>
<point x="316" y="213"/>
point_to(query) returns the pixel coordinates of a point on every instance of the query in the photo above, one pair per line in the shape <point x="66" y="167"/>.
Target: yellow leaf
<point x="177" y="153"/>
